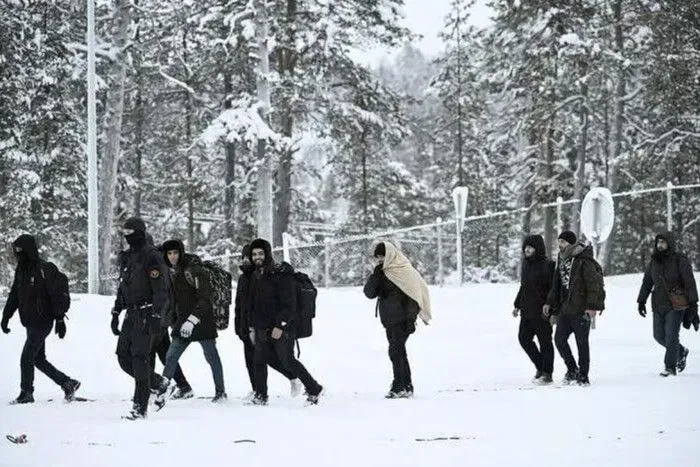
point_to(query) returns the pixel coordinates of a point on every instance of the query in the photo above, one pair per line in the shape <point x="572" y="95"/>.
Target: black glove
<point x="690" y="317"/>
<point x="61" y="328"/>
<point x="115" y="322"/>
<point x="642" y="310"/>
<point x="5" y="325"/>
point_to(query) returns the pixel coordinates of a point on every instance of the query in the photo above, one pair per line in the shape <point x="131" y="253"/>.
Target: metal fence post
<point x="669" y="206"/>
<point x="285" y="247"/>
<point x="441" y="276"/>
<point x="560" y="202"/>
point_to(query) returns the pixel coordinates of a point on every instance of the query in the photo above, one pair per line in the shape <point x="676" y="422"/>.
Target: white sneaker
<point x="295" y="387"/>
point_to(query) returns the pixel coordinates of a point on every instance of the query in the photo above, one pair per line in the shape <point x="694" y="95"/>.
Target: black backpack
<point x="58" y="289"/>
<point x="306" y="304"/>
<point x="221" y="296"/>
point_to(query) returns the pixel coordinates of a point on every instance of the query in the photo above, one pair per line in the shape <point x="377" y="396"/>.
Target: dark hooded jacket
<point x="394" y="306"/>
<point x="270" y="295"/>
<point x="668" y="270"/>
<point x="536" y="276"/>
<point x="191" y="289"/>
<point x="578" y="282"/>
<point x="31" y="289"/>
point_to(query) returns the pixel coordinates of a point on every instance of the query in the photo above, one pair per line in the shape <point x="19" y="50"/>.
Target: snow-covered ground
<point x="628" y="416"/>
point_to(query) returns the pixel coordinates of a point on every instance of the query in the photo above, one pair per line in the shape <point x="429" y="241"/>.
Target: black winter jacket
<point x="578" y="283"/>
<point x="536" y="276"/>
<point x="142" y="281"/>
<point x="192" y="296"/>
<point x="395" y="307"/>
<point x="242" y="314"/>
<point x="667" y="271"/>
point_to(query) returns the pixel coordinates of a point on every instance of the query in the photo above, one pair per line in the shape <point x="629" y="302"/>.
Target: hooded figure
<point x="33" y="293"/>
<point x="402" y="295"/>
<point x="535" y="282"/>
<point x="674" y="300"/>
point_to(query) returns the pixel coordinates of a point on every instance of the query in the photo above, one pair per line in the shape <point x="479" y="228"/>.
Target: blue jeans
<point x="178" y="347"/>
<point x="667" y="327"/>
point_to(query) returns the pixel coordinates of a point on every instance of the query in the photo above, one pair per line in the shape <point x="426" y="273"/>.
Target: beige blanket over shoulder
<point x="399" y="270"/>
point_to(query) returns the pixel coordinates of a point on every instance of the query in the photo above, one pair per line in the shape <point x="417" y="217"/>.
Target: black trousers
<point x="397" y="335"/>
<point x="273" y="362"/>
<point x="134" y="346"/>
<point x="161" y="349"/>
<point x="580" y="326"/>
<point x="542" y="358"/>
<point x="34" y="356"/>
<point x="266" y="349"/>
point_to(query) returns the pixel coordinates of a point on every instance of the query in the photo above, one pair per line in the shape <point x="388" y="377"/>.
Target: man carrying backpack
<point x="143" y="292"/>
<point x="193" y="319"/>
<point x="271" y="298"/>
<point x="674" y="299"/>
<point x="37" y="293"/>
<point x="243" y="324"/>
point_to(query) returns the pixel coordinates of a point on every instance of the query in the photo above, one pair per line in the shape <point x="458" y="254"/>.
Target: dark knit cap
<point x="568" y="236"/>
<point x="380" y="250"/>
<point x="135" y="223"/>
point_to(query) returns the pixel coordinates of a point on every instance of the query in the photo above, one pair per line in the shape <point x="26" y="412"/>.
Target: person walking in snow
<point x="674" y="299"/>
<point x="271" y="298"/>
<point x="193" y="318"/>
<point x="577" y="296"/>
<point x="244" y="328"/>
<point x="536" y="276"/>
<point x="402" y="296"/>
<point x="35" y="294"/>
<point x="143" y="292"/>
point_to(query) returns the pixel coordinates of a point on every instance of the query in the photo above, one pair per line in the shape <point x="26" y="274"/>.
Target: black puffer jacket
<point x="578" y="283"/>
<point x="271" y="294"/>
<point x="395" y="307"/>
<point x="242" y="313"/>
<point x="30" y="291"/>
<point x="666" y="271"/>
<point x="536" y="278"/>
<point x="192" y="293"/>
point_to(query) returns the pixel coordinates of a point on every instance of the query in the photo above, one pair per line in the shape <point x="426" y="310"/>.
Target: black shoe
<point x="546" y="378"/>
<point x="258" y="399"/>
<point x="24" y="397"/>
<point x="70" y="387"/>
<point x="136" y="413"/>
<point x="219" y="397"/>
<point x="538" y="375"/>
<point x="571" y="376"/>
<point x="183" y="393"/>
<point x="312" y="399"/>
<point x="583" y="380"/>
<point x="683" y="360"/>
<point x="668" y="372"/>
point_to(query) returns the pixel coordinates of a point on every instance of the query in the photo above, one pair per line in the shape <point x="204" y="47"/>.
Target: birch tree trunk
<point x="264" y="184"/>
<point x="114" y="110"/>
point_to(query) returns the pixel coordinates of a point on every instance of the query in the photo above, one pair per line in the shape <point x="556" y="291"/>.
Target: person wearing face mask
<point x="674" y="300"/>
<point x="34" y="294"/>
<point x="577" y="296"/>
<point x="144" y="294"/>
<point x="535" y="281"/>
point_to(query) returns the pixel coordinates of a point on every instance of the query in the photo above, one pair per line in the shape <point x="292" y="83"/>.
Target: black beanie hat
<point x="380" y="250"/>
<point x="135" y="223"/>
<point x="568" y="236"/>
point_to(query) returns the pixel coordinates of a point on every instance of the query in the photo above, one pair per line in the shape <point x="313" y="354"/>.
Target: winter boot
<point x="313" y="399"/>
<point x="24" y="397"/>
<point x="70" y="387"/>
<point x="582" y="380"/>
<point x="295" y="387"/>
<point x="408" y="392"/>
<point x="219" y="397"/>
<point x="571" y="376"/>
<point x="668" y="372"/>
<point x="183" y="393"/>
<point x="136" y="413"/>
<point x="165" y="392"/>
<point x="258" y="399"/>
<point x="546" y="378"/>
<point x="683" y="360"/>
<point x="537" y="376"/>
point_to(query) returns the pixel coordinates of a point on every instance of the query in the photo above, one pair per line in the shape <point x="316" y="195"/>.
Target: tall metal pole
<point x="93" y="241"/>
<point x="669" y="206"/>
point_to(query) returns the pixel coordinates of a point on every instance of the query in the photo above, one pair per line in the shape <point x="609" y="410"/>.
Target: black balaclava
<point x="25" y="250"/>
<point x="137" y="239"/>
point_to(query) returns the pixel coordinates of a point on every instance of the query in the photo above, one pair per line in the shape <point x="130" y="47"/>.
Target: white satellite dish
<point x="597" y="215"/>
